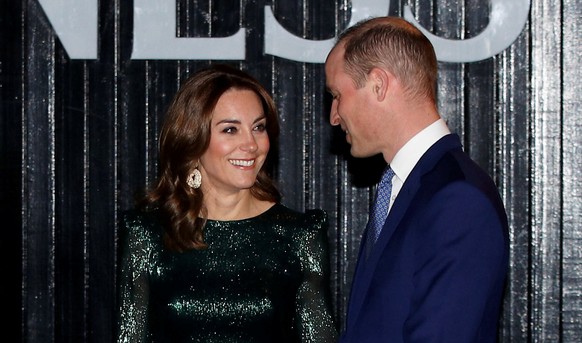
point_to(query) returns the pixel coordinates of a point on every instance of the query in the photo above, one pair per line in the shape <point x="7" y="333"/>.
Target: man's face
<point x="351" y="106"/>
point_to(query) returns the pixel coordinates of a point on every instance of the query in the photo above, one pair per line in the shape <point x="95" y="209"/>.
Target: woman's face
<point x="239" y="143"/>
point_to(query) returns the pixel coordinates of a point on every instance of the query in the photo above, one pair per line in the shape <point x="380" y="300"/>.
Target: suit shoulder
<point x="457" y="166"/>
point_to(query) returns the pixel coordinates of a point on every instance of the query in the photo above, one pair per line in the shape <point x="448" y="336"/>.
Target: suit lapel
<point x="365" y="269"/>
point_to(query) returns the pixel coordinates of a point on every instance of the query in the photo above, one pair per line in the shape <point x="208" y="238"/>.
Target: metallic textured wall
<point x="78" y="140"/>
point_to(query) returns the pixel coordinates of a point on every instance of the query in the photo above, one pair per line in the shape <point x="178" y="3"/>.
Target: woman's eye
<point x="231" y="130"/>
<point x="261" y="127"/>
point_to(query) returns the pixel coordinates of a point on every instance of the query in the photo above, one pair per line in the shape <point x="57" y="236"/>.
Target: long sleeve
<point x="314" y="318"/>
<point x="133" y="289"/>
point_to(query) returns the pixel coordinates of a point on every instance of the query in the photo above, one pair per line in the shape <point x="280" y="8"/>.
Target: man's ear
<point x="380" y="80"/>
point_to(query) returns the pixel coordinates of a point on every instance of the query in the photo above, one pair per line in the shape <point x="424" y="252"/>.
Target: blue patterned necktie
<point x="379" y="211"/>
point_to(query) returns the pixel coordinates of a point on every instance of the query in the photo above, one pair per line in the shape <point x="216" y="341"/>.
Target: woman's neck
<point x="237" y="206"/>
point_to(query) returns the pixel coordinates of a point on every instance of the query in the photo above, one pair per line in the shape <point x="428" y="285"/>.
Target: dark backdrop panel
<point x="79" y="141"/>
<point x="10" y="169"/>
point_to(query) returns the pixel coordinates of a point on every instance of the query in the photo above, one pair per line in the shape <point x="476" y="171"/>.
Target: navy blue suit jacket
<point x="438" y="269"/>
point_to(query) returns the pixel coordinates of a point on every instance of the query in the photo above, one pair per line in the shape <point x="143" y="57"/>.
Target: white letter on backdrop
<point x="75" y="23"/>
<point x="154" y="36"/>
<point x="280" y="42"/>
<point x="506" y="22"/>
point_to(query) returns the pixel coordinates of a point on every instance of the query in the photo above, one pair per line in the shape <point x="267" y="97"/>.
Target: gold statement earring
<point x="194" y="179"/>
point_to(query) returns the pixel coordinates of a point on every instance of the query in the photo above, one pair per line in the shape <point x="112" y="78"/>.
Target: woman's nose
<point x="250" y="143"/>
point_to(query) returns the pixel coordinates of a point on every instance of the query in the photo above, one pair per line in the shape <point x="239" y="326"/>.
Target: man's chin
<point x="359" y="153"/>
<point x="356" y="153"/>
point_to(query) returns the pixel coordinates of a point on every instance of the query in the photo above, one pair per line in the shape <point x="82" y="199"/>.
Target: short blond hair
<point x="396" y="45"/>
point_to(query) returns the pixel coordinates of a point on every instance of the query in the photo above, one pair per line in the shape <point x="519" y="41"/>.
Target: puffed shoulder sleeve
<point x="135" y="255"/>
<point x="314" y="311"/>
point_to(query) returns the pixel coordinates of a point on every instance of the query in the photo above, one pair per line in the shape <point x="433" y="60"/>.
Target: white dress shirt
<point x="409" y="155"/>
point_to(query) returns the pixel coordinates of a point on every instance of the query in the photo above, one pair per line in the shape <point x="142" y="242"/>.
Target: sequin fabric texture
<point x="263" y="279"/>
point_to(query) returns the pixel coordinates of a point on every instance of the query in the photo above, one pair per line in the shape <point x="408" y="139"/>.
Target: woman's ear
<point x="380" y="80"/>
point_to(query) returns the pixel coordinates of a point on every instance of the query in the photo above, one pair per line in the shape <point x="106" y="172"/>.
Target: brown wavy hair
<point x="184" y="137"/>
<point x="396" y="45"/>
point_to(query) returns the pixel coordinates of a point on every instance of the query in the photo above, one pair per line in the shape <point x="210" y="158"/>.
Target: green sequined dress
<point x="263" y="279"/>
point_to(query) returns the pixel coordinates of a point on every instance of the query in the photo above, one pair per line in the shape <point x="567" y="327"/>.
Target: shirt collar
<point x="407" y="157"/>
